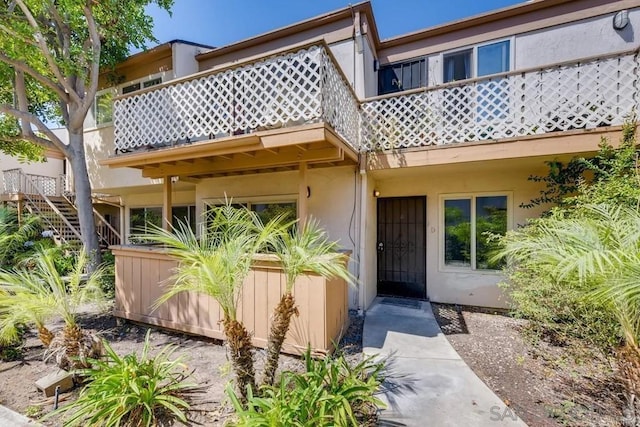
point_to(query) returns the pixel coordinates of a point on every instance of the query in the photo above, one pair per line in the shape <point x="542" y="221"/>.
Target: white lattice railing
<point x="294" y="88"/>
<point x="306" y="86"/>
<point x="584" y="94"/>
<point x="16" y="181"/>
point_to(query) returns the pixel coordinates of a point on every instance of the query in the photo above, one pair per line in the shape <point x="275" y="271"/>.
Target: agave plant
<point x="601" y="249"/>
<point x="303" y="249"/>
<point x="216" y="264"/>
<point x="40" y="293"/>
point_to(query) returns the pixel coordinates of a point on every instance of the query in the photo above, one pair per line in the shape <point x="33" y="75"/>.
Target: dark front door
<point x="401" y="247"/>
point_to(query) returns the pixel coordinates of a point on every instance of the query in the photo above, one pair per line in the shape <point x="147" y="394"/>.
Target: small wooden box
<point x="59" y="377"/>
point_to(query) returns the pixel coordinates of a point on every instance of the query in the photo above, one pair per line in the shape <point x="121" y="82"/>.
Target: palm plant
<point x="37" y="294"/>
<point x="15" y="233"/>
<point x="300" y="250"/>
<point x="600" y="248"/>
<point x="216" y="264"/>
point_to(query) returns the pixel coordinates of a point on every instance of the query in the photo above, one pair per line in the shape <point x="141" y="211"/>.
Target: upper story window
<point x="476" y="62"/>
<point x="402" y="76"/>
<point x="103" y="105"/>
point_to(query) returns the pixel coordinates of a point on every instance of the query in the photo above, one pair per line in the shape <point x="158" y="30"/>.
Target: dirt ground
<point x="544" y="384"/>
<point x="206" y="357"/>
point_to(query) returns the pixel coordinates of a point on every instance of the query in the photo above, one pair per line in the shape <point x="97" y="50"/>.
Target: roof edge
<point x="294" y="28"/>
<point x="459" y="24"/>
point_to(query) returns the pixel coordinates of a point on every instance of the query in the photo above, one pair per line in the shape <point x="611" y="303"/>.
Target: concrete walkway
<point x="430" y="384"/>
<point x="14" y="419"/>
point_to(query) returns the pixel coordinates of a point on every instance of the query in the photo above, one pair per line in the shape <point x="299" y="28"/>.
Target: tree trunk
<point x="279" y="327"/>
<point x="629" y="366"/>
<point x="84" y="204"/>
<point x="45" y="335"/>
<point x="239" y="342"/>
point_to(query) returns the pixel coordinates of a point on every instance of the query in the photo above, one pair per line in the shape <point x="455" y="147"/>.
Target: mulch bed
<point x="206" y="357"/>
<point x="544" y="384"/>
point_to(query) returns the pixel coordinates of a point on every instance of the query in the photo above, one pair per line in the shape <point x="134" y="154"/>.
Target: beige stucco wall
<point x="445" y="284"/>
<point x="51" y="167"/>
<point x="332" y="201"/>
<point x="332" y="32"/>
<point x="99" y="145"/>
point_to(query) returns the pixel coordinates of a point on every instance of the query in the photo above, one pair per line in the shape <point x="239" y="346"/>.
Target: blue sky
<point x="220" y="22"/>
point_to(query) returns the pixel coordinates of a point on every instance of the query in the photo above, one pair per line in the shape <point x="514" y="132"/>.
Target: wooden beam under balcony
<point x="573" y="142"/>
<point x="263" y="160"/>
<point x="316" y="144"/>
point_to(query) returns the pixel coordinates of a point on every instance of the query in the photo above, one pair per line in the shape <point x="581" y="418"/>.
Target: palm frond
<point x="39" y="293"/>
<point x="309" y="249"/>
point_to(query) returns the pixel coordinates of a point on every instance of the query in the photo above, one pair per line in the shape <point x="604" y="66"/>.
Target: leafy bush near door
<point x="575" y="272"/>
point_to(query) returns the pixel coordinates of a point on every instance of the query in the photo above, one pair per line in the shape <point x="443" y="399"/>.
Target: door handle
<point x="380" y="247"/>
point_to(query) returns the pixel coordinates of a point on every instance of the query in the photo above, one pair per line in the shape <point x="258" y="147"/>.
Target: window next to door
<point x="468" y="221"/>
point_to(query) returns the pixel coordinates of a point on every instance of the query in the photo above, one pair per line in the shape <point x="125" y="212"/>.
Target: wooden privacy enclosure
<point x="142" y="272"/>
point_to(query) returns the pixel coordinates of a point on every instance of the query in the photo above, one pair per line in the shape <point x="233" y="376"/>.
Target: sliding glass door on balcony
<point x="473" y="110"/>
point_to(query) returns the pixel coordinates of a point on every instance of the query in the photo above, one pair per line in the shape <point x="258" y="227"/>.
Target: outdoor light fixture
<point x="376" y="65"/>
<point x="620" y="20"/>
<point x="376" y="193"/>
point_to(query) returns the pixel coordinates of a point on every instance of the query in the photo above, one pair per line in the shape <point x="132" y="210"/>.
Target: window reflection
<point x="491" y="218"/>
<point x="457" y="235"/>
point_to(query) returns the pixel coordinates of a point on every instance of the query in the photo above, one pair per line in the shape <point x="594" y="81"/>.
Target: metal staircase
<point x="45" y="197"/>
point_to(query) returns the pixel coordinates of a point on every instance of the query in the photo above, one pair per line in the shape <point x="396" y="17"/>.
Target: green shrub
<point x="132" y="390"/>
<point x="330" y="393"/>
<point x="561" y="308"/>
<point x="108" y="281"/>
<point x="13" y="350"/>
<point x="559" y="312"/>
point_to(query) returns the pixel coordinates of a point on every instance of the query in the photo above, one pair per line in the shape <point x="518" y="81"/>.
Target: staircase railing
<point x="106" y="232"/>
<point x="48" y="211"/>
<point x="15" y="182"/>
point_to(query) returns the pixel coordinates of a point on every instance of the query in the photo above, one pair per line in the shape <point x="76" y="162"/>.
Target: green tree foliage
<point x="17" y="237"/>
<point x="51" y="56"/>
<point x="609" y="176"/>
<point x="558" y="306"/>
<point x="596" y="256"/>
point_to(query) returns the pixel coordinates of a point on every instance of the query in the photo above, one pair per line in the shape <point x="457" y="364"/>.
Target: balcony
<point x="282" y="110"/>
<point x="248" y="107"/>
<point x="586" y="94"/>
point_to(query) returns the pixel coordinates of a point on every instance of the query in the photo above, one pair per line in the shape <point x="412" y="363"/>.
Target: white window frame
<point x="117" y="91"/>
<point x="474" y="56"/>
<point x="99" y="93"/>
<point x="129" y="208"/>
<point x="248" y="201"/>
<point x="441" y="235"/>
<point x="409" y="60"/>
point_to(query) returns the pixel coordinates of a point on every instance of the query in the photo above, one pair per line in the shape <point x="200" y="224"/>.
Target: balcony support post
<point x="20" y="208"/>
<point x="166" y="204"/>
<point x="304" y="192"/>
